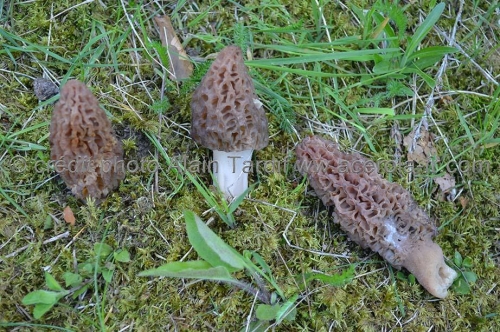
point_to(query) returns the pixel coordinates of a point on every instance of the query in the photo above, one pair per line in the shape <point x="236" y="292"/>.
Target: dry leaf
<point x="445" y="182"/>
<point x="180" y="66"/>
<point x="447" y="185"/>
<point x="424" y="148"/>
<point x="463" y="201"/>
<point x="68" y="216"/>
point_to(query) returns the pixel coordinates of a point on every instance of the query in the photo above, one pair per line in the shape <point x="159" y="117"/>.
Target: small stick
<point x="52" y="239"/>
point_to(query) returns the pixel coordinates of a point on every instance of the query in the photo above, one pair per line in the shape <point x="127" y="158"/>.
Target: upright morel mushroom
<point x="375" y="213"/>
<point x="228" y="118"/>
<point x="83" y="146"/>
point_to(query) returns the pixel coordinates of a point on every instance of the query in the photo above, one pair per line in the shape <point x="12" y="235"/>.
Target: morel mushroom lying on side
<point x="375" y="213"/>
<point x="86" y="152"/>
<point x="227" y="117"/>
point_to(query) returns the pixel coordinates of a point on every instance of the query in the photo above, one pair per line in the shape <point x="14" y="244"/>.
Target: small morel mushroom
<point x="83" y="146"/>
<point x="228" y="118"/>
<point x="375" y="213"/>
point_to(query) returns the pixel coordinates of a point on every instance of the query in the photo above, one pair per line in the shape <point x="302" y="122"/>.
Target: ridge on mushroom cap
<point x="224" y="115"/>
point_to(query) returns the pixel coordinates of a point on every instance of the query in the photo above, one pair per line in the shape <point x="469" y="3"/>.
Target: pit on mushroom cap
<point x="227" y="117"/>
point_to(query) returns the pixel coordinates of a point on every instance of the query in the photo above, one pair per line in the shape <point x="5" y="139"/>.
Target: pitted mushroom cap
<point x="225" y="113"/>
<point x="88" y="155"/>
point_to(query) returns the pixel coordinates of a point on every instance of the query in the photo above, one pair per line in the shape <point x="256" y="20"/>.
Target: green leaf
<point x="470" y="276"/>
<point x="258" y="258"/>
<point x="423" y="30"/>
<point x="467" y="263"/>
<point x="432" y="52"/>
<point x="52" y="283"/>
<point x="457" y="259"/>
<point x="287" y="310"/>
<point x="72" y="279"/>
<point x="42" y="296"/>
<point x="461" y="286"/>
<point x="103" y="250"/>
<point x="237" y="201"/>
<point x="337" y="280"/>
<point x="256" y="326"/>
<point x="122" y="255"/>
<point x="190" y="269"/>
<point x="209" y="246"/>
<point x="267" y="312"/>
<point x="376" y="110"/>
<point x="80" y="291"/>
<point x="40" y="309"/>
<point x="107" y="274"/>
<point x="358" y="55"/>
<point x="86" y="268"/>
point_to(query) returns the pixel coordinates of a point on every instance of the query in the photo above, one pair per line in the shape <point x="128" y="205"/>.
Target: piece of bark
<point x="180" y="66"/>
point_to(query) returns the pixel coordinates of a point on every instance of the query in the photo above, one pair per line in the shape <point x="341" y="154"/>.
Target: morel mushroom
<point x="83" y="146"/>
<point x="228" y="118"/>
<point x="375" y="213"/>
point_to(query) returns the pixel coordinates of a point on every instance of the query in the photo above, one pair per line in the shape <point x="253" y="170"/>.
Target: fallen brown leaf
<point x="180" y="66"/>
<point x="463" y="201"/>
<point x="68" y="216"/>
<point x="424" y="148"/>
<point x="445" y="182"/>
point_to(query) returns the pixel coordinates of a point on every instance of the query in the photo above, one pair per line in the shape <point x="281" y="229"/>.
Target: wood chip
<point x="68" y="216"/>
<point x="180" y="66"/>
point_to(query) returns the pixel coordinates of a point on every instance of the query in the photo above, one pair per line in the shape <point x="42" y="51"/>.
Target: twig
<point x="52" y="239"/>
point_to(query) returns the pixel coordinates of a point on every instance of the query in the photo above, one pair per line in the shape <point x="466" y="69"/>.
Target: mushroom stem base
<point x="231" y="171"/>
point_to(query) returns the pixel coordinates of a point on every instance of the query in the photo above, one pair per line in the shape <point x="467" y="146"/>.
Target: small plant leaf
<point x="337" y="280"/>
<point x="72" y="279"/>
<point x="401" y="276"/>
<point x="52" y="283"/>
<point x="42" y="296"/>
<point x="287" y="311"/>
<point x="79" y="292"/>
<point x="470" y="276"/>
<point x="256" y="326"/>
<point x="461" y="286"/>
<point x="457" y="259"/>
<point x="258" y="258"/>
<point x="267" y="312"/>
<point x="40" y="309"/>
<point x="102" y="249"/>
<point x="424" y="29"/>
<point x="107" y="274"/>
<point x="122" y="256"/>
<point x="190" y="269"/>
<point x="86" y="268"/>
<point x="209" y="246"/>
<point x="237" y="201"/>
<point x="467" y="263"/>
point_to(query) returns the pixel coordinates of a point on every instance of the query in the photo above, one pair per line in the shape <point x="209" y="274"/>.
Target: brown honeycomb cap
<point x="374" y="212"/>
<point x="225" y="112"/>
<point x="88" y="156"/>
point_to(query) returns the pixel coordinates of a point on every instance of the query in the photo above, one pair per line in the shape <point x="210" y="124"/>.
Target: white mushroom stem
<point x="231" y="171"/>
